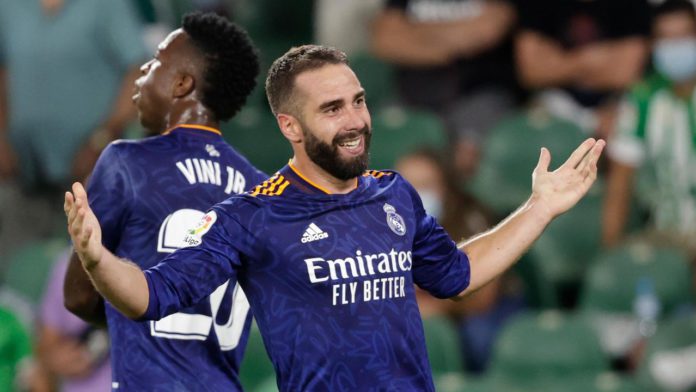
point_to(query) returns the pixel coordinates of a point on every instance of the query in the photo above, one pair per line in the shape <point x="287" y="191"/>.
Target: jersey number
<point x="197" y="326"/>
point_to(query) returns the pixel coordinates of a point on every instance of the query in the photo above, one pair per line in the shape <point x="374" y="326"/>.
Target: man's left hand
<point x="562" y="188"/>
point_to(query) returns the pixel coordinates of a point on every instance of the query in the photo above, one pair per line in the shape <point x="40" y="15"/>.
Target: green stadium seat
<point x="610" y="291"/>
<point x="443" y="345"/>
<point x="269" y="19"/>
<point x="562" y="254"/>
<point x="30" y="267"/>
<point x="669" y="362"/>
<point x="274" y="26"/>
<point x="504" y="178"/>
<point x="256" y="368"/>
<point x="268" y="385"/>
<point x="397" y="131"/>
<point x="595" y="382"/>
<point x="451" y="382"/>
<point x="254" y="132"/>
<point x="535" y="347"/>
<point x="611" y="281"/>
<point x="601" y="382"/>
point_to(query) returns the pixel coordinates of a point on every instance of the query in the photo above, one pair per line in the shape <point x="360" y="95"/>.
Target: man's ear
<point x="183" y="85"/>
<point x="290" y="127"/>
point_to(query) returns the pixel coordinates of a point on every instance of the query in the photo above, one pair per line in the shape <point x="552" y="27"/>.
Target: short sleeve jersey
<point x="656" y="133"/>
<point x="146" y="194"/>
<point x="330" y="278"/>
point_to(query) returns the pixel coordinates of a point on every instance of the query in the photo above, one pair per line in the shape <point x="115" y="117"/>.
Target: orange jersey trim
<point x="376" y="173"/>
<point x="310" y="182"/>
<point x="274" y="186"/>
<point x="194" y="126"/>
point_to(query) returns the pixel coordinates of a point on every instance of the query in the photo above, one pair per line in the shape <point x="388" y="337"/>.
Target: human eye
<point x="332" y="109"/>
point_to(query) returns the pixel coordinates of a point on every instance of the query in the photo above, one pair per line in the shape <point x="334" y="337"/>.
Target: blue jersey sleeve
<point x="110" y="195"/>
<point x="258" y="178"/>
<point x="439" y="267"/>
<point x="218" y="244"/>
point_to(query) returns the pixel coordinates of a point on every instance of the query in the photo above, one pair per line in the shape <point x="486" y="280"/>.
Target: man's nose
<point x="356" y="120"/>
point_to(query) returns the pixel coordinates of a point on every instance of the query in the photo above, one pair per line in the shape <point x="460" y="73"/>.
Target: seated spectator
<point x="581" y="54"/>
<point x="454" y="58"/>
<point x="482" y="315"/>
<point x="655" y="136"/>
<point x="66" y="80"/>
<point x="73" y="352"/>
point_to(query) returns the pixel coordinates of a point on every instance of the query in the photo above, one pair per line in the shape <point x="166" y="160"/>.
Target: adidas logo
<point x="313" y="233"/>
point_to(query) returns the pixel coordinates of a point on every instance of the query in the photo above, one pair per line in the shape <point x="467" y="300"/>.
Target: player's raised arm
<point x="122" y="283"/>
<point x="553" y="193"/>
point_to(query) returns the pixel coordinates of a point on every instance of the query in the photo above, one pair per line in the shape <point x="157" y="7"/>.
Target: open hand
<point x="83" y="227"/>
<point x="562" y="188"/>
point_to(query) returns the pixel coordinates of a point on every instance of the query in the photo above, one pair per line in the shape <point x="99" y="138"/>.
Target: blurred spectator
<point x="72" y="351"/>
<point x="655" y="136"/>
<point x="345" y="24"/>
<point x="160" y="17"/>
<point x="66" y="78"/>
<point x="15" y="350"/>
<point x="670" y="357"/>
<point x="455" y="58"/>
<point x="481" y="315"/>
<point x="582" y="52"/>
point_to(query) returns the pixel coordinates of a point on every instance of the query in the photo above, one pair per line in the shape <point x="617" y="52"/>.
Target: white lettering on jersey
<point x="187" y="171"/>
<point x="235" y="181"/>
<point x="185" y="326"/>
<point x="205" y="171"/>
<point x="375" y="287"/>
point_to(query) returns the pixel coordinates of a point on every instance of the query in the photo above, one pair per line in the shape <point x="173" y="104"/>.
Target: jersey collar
<point x="306" y="185"/>
<point x="194" y="128"/>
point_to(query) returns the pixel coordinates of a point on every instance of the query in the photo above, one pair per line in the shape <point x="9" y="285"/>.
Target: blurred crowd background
<point x="462" y="94"/>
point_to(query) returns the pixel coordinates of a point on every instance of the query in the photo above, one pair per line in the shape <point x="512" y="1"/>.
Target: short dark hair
<point x="231" y="62"/>
<point x="672" y="6"/>
<point x="281" y="76"/>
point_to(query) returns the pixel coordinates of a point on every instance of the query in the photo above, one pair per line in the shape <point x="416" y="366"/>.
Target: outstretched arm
<point x="122" y="283"/>
<point x="553" y="193"/>
<point x="79" y="295"/>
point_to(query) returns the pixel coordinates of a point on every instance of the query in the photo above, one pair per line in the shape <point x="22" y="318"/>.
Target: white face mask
<point x="675" y="58"/>
<point x="431" y="203"/>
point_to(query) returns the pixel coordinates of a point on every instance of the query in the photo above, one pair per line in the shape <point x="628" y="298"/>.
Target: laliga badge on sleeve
<point x="394" y="220"/>
<point x="194" y="237"/>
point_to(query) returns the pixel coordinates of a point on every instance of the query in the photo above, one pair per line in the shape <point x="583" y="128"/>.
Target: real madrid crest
<point x="394" y="220"/>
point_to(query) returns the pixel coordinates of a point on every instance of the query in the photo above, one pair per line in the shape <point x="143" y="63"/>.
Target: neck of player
<point x="191" y="112"/>
<point x="320" y="178"/>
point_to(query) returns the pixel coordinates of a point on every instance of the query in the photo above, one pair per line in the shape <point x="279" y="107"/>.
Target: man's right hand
<point x="83" y="227"/>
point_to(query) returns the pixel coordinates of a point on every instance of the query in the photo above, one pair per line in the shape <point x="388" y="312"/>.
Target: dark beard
<point x="327" y="156"/>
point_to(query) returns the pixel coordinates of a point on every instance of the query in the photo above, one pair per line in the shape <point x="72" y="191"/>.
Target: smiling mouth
<point x="351" y="143"/>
